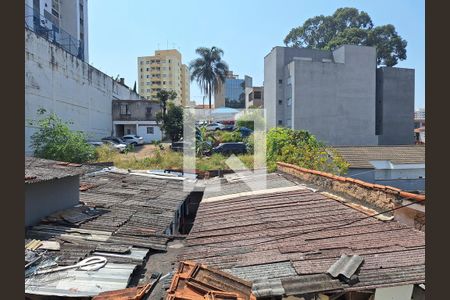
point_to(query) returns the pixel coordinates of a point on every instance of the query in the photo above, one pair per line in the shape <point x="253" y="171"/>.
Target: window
<point x="280" y="122"/>
<point x="164" y="82"/>
<point x="147" y="62"/>
<point x="280" y="81"/>
<point x="141" y="77"/>
<point x="169" y="61"/>
<point x="280" y="101"/>
<point x="150" y="130"/>
<point x="148" y="111"/>
<point x="124" y="109"/>
<point x="289" y="101"/>
<point x="128" y="131"/>
<point x="147" y="83"/>
<point x="147" y="76"/>
<point x="141" y="62"/>
<point x="147" y="69"/>
<point x="55" y="8"/>
<point x="148" y="90"/>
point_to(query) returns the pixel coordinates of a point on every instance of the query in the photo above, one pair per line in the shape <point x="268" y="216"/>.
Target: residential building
<point x="339" y="96"/>
<point x="232" y="92"/>
<point x="136" y="117"/>
<point x="63" y="22"/>
<point x="419" y="135"/>
<point x="254" y="97"/>
<point x="75" y="91"/>
<point x="164" y="70"/>
<point x="420" y="114"/>
<point x="402" y="167"/>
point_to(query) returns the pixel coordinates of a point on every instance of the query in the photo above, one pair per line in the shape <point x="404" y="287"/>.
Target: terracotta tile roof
<point x="359" y="156"/>
<point x="308" y="231"/>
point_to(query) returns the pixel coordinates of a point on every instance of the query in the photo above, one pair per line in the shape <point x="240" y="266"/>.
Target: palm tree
<point x="209" y="70"/>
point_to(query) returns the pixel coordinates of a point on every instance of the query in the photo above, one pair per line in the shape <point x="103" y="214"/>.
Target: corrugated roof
<point x="305" y="229"/>
<point x="346" y="265"/>
<point x="38" y="169"/>
<point x="359" y="156"/>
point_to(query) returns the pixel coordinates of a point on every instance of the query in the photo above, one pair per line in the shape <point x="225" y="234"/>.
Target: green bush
<point x="54" y="140"/>
<point x="301" y="148"/>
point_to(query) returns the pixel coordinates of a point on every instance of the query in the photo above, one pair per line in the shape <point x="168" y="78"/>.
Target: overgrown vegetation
<point x="55" y="140"/>
<point x="172" y="122"/>
<point x="301" y="148"/>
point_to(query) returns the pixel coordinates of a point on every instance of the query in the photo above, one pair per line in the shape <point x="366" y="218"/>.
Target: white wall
<point x="59" y="82"/>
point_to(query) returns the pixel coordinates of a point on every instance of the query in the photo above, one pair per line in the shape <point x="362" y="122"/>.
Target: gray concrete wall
<point x="61" y="83"/>
<point x="137" y="109"/>
<point x="336" y="101"/>
<point x="45" y="198"/>
<point x="395" y="106"/>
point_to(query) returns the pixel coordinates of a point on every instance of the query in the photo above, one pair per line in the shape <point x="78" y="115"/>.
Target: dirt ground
<point x="143" y="151"/>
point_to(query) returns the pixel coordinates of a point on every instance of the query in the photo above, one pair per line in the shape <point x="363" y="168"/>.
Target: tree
<point x="209" y="70"/>
<point x="301" y="148"/>
<point x="164" y="96"/>
<point x="54" y="140"/>
<point x="349" y="26"/>
<point x="172" y="122"/>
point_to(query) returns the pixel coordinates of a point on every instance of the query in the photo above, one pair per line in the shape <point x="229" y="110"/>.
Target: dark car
<point x="180" y="146"/>
<point x="230" y="148"/>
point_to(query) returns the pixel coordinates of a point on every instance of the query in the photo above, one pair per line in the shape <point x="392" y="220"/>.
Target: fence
<point x="43" y="26"/>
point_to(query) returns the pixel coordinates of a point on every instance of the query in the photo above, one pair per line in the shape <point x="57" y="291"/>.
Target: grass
<point x="165" y="159"/>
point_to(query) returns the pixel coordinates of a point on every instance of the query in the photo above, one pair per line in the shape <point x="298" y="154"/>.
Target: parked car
<point x="118" y="146"/>
<point x="95" y="144"/>
<point x="180" y="146"/>
<point x="228" y="128"/>
<point x="215" y="126"/>
<point x="230" y="148"/>
<point x="132" y="139"/>
<point x="245" y="132"/>
<point x="114" y="139"/>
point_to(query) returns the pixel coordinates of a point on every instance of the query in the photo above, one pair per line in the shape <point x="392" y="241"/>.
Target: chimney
<point x="122" y="80"/>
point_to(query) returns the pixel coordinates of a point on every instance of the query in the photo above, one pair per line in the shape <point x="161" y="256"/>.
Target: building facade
<point x="59" y="82"/>
<point x="63" y="22"/>
<point x="333" y="95"/>
<point x="164" y="70"/>
<point x="136" y="117"/>
<point x="232" y="93"/>
<point x="254" y="97"/>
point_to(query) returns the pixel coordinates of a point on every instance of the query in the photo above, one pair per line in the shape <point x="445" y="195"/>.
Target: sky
<point x="120" y="31"/>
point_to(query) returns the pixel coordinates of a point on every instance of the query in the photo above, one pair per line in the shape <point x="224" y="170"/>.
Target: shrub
<point x="54" y="140"/>
<point x="301" y="148"/>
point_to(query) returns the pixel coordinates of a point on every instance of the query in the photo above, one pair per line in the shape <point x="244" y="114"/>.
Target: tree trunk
<point x="209" y="92"/>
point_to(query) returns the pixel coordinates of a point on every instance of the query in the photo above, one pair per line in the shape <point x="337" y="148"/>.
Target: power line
<point x="322" y="229"/>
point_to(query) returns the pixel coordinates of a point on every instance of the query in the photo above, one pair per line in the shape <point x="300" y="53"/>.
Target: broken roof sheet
<point x="346" y="266"/>
<point x="305" y="229"/>
<point x="124" y="216"/>
<point x="360" y="156"/>
<point x="38" y="169"/>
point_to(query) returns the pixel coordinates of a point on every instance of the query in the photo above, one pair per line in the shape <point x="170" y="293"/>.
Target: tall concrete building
<point x="63" y="22"/>
<point x="232" y="92"/>
<point x="339" y="96"/>
<point x="164" y="70"/>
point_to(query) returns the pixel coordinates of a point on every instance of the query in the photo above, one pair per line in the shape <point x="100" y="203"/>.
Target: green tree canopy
<point x="54" y="140"/>
<point x="172" y="122"/>
<point x="164" y="96"/>
<point x="349" y="26"/>
<point x="301" y="148"/>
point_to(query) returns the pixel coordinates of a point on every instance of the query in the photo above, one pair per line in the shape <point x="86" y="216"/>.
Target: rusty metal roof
<point x="306" y="230"/>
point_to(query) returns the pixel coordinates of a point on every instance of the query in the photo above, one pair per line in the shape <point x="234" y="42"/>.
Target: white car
<point x="215" y="126"/>
<point x="119" y="147"/>
<point x="132" y="139"/>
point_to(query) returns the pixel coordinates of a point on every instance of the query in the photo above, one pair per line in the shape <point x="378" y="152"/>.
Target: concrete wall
<point x="137" y="109"/>
<point x="59" y="82"/>
<point x="45" y="198"/>
<point x="395" y="106"/>
<point x="336" y="101"/>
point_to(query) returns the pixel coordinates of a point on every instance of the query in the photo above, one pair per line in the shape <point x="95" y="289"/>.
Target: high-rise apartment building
<point x="63" y="22"/>
<point x="164" y="70"/>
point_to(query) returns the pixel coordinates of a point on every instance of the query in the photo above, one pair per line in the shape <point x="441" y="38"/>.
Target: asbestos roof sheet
<point x="346" y="265"/>
<point x="360" y="156"/>
<point x="38" y="169"/>
<point x="307" y="230"/>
